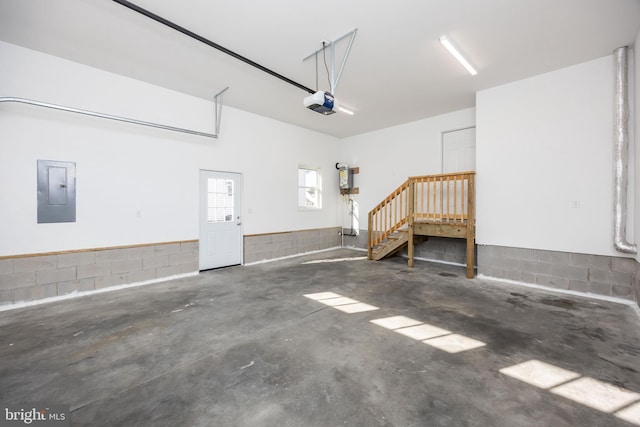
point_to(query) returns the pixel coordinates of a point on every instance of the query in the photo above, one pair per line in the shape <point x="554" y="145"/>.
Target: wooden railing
<point x="389" y="215"/>
<point x="443" y="198"/>
<point x="431" y="205"/>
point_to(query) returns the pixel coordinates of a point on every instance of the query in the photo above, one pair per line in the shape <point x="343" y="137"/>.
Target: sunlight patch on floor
<point x="454" y="343"/>
<point x="339" y="302"/>
<point x="434" y="336"/>
<point x="539" y="374"/>
<point x="587" y="391"/>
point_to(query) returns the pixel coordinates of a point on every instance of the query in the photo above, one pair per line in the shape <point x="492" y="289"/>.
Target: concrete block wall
<point x="260" y="247"/>
<point x="33" y="277"/>
<point x="359" y="242"/>
<point x="595" y="274"/>
<point x="443" y="249"/>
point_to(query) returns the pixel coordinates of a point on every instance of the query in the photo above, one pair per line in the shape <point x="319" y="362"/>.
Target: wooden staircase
<point x="433" y="205"/>
<point x="394" y="243"/>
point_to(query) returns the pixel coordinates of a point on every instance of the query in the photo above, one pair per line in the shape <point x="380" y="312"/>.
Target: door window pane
<point x="220" y="200"/>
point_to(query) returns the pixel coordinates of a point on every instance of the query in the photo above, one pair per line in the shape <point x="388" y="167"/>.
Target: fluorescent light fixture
<point x="346" y="110"/>
<point x="453" y="51"/>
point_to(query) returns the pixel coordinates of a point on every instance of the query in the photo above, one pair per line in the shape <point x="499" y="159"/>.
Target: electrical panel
<point x="56" y="191"/>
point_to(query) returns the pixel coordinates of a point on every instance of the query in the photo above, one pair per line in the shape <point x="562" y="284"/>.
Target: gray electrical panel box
<point x="56" y="191"/>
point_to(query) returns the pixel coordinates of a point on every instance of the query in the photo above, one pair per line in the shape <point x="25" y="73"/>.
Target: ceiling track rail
<point x="333" y="79"/>
<point x="218" y="112"/>
<point x="209" y="43"/>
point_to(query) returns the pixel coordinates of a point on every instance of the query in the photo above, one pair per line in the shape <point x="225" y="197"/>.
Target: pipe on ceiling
<point x="107" y="116"/>
<point x="621" y="153"/>
<point x="208" y="42"/>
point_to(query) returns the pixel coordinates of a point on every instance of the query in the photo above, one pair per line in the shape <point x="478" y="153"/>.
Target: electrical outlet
<point x="575" y="204"/>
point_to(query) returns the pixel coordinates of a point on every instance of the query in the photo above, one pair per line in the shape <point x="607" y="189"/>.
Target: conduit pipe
<point x="119" y="118"/>
<point x="621" y="154"/>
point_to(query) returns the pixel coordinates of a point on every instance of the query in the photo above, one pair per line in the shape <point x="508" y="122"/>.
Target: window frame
<point x="317" y="187"/>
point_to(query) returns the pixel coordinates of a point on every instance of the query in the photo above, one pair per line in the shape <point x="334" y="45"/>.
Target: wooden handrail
<point x="389" y="215"/>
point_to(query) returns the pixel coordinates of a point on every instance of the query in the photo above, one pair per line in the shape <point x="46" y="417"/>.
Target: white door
<point x="220" y="221"/>
<point x="459" y="150"/>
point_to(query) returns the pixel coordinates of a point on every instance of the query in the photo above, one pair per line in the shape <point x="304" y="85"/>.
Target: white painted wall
<point x="387" y="157"/>
<point x="543" y="145"/>
<point x="123" y="169"/>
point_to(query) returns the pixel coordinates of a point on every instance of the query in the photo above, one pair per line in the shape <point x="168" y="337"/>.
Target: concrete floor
<point x="243" y="346"/>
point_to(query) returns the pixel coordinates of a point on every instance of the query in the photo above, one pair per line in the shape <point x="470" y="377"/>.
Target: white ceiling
<point x="397" y="71"/>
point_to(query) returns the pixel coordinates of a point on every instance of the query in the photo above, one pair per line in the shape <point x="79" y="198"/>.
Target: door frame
<point x="442" y="143"/>
<point x="240" y="187"/>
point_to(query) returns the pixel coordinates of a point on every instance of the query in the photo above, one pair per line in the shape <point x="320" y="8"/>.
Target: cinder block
<point x="612" y="277"/>
<point x="109" y="256"/>
<point x="492" y="251"/>
<point x="94" y="270"/>
<point x="141" y="252"/>
<point x="484" y="255"/>
<point x="55" y="275"/>
<point x="126" y="266"/>
<point x="622" y="291"/>
<point x="36" y="263"/>
<point x="519" y="275"/>
<point x="579" y="285"/>
<point x="141" y="276"/>
<point x="189" y="268"/>
<point x="156" y="261"/>
<point x="533" y="267"/>
<point x="189" y="246"/>
<point x="570" y="272"/>
<point x="594" y="261"/>
<point x="552" y="257"/>
<point x="182" y="258"/>
<point x="168" y="249"/>
<point x="552" y="281"/>
<point x="6" y="266"/>
<point x="624" y="265"/>
<point x="75" y="259"/>
<point x="505" y="263"/>
<point x="283" y="244"/>
<point x="491" y="271"/>
<point x="115" y="255"/>
<point x="519" y="253"/>
<point x="258" y="240"/>
<point x="280" y="237"/>
<point x="454" y="257"/>
<point x="17" y="280"/>
<point x="6" y="296"/>
<point x="110" y="280"/>
<point x="288" y="252"/>
<point x="83" y="285"/>
<point x="171" y="270"/>
<point x="601" y="288"/>
<point x="35" y="293"/>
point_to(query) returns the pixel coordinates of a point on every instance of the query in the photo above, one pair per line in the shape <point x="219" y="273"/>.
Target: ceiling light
<point x="346" y="110"/>
<point x="446" y="43"/>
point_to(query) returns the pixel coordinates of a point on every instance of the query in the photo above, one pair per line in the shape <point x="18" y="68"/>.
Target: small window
<point x="309" y="188"/>
<point x="219" y="200"/>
